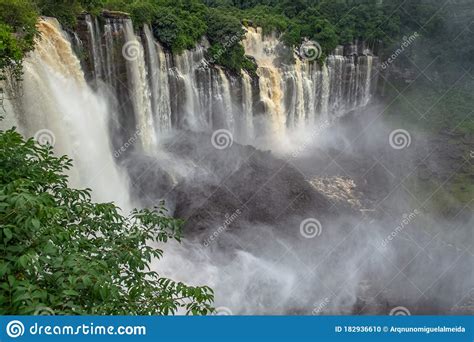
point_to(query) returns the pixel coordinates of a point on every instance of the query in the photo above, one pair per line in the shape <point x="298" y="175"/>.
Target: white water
<point x="138" y="83"/>
<point x="247" y="106"/>
<point x="168" y="91"/>
<point x="57" y="98"/>
<point x="159" y="83"/>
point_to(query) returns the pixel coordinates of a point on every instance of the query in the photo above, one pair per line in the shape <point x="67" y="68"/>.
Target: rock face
<point x="217" y="183"/>
<point x="115" y="15"/>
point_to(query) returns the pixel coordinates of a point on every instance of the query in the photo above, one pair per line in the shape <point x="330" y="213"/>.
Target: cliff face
<point x="155" y="91"/>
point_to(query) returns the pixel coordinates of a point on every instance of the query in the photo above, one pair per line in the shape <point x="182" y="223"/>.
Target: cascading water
<point x="247" y="106"/>
<point x="133" y="52"/>
<point x="60" y="108"/>
<point x="158" y="74"/>
<point x="309" y="91"/>
<point x="182" y="91"/>
<point x="270" y="78"/>
<point x="137" y="88"/>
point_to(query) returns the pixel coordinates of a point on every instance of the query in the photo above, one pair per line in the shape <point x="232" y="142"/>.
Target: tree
<point x="17" y="32"/>
<point x="63" y="253"/>
<point x="11" y="52"/>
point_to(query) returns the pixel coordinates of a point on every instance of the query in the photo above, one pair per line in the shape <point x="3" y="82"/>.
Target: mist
<point x="368" y="248"/>
<point x="306" y="189"/>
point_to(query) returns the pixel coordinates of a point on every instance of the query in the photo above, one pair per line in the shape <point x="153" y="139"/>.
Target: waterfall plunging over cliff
<point x="115" y="100"/>
<point x="156" y="91"/>
<point x="56" y="105"/>
<point x="131" y="89"/>
<point x="124" y="104"/>
<point x="304" y="91"/>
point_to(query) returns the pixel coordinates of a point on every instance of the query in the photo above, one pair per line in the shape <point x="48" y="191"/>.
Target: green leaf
<point x="35" y="223"/>
<point x="8" y="234"/>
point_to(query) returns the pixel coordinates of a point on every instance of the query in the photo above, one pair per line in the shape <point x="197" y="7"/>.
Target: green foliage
<point x="63" y="252"/>
<point x="181" y="24"/>
<point x="11" y="53"/>
<point x="224" y="33"/>
<point x="143" y="12"/>
<point x="268" y="18"/>
<point x="176" y="33"/>
<point x="232" y="58"/>
<point x="222" y="27"/>
<point x="65" y="11"/>
<point x="17" y="32"/>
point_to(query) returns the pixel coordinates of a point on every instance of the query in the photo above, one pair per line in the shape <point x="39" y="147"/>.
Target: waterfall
<point x="270" y="77"/>
<point x="58" y="106"/>
<point x="94" y="35"/>
<point x="325" y="86"/>
<point x="158" y="71"/>
<point x="141" y="89"/>
<point x="368" y="80"/>
<point x="226" y="100"/>
<point x="247" y="106"/>
<point x="133" y="52"/>
<point x="182" y="91"/>
<point x="304" y="91"/>
<point x="194" y="114"/>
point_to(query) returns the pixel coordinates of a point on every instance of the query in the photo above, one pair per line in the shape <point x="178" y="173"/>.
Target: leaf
<point x="70" y="293"/>
<point x="35" y="223"/>
<point x="8" y="234"/>
<point x="23" y="261"/>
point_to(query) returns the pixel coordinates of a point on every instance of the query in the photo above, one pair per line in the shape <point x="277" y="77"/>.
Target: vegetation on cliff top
<point x="17" y="31"/>
<point x="180" y="24"/>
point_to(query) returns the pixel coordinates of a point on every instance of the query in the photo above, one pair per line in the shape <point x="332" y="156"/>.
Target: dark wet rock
<point x="263" y="188"/>
<point x="115" y="14"/>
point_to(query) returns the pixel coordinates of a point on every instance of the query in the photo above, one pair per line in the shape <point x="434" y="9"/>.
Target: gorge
<point x="245" y="158"/>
